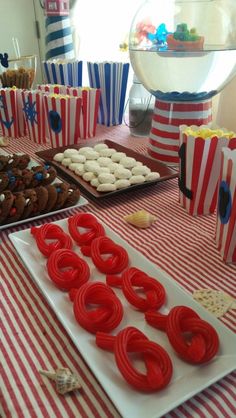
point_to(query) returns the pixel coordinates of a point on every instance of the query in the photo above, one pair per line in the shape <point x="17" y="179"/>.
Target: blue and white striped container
<point x="63" y="73"/>
<point x="59" y="41"/>
<point x="111" y="78"/>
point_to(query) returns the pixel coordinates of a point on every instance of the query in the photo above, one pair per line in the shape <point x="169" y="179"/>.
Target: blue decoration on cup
<point x="30" y="112"/>
<point x="4" y="60"/>
<point x="58" y="189"/>
<point x="55" y="121"/>
<point x="225" y="202"/>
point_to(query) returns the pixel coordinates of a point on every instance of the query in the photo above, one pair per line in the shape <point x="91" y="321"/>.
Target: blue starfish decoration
<point x="30" y="112"/>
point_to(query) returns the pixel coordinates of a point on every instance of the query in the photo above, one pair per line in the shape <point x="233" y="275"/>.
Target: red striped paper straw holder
<point x="34" y="114"/>
<point x="225" y="234"/>
<point x="199" y="166"/>
<point x="11" y="117"/>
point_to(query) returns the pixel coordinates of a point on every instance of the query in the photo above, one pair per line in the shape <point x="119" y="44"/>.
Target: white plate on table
<point x="81" y="202"/>
<point x="187" y="379"/>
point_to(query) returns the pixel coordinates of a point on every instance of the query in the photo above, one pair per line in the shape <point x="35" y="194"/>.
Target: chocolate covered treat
<point x="15" y="180"/>
<point x="13" y="161"/>
<point x="3" y="162"/>
<point x="62" y="194"/>
<point x="24" y="160"/>
<point x="42" y="199"/>
<point x="30" y="201"/>
<point x="39" y="174"/>
<point x="17" y="208"/>
<point x="52" y="197"/>
<point x="6" y="202"/>
<point x="4" y="180"/>
<point x="72" y="197"/>
<point x="50" y="175"/>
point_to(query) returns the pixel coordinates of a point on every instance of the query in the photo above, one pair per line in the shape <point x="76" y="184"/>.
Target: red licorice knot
<point x="133" y="277"/>
<point x="88" y="222"/>
<point x="67" y="270"/>
<point x="157" y="361"/>
<point x="108" y="257"/>
<point x="96" y="307"/>
<point x="194" y="339"/>
<point x="50" y="232"/>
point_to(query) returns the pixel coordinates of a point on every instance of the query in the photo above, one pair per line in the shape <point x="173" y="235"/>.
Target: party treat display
<point x="181" y="323"/>
<point x="108" y="310"/>
<point x="50" y="237"/>
<point x="117" y="259"/>
<point x="66" y="269"/>
<point x="16" y="206"/>
<point x="105" y="168"/>
<point x="157" y="361"/>
<point x="88" y="222"/>
<point x="154" y="291"/>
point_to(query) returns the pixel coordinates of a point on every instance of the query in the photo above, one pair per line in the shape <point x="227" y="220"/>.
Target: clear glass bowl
<point x="184" y="50"/>
<point x="20" y="72"/>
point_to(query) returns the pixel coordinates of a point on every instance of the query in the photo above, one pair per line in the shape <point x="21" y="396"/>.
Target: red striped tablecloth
<point x="33" y="338"/>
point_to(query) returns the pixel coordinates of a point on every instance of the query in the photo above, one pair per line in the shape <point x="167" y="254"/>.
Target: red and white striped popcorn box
<point x="63" y="116"/>
<point x="89" y="111"/>
<point x="225" y="234"/>
<point x="52" y="88"/>
<point x="22" y="127"/>
<point x="9" y="113"/>
<point x="34" y="113"/>
<point x="199" y="170"/>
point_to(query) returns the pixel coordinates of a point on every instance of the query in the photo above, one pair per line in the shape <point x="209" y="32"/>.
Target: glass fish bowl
<point x="20" y="72"/>
<point x="184" y="50"/>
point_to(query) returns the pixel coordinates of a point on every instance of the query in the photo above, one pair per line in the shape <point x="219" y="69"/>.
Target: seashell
<point x="215" y="301"/>
<point x="4" y="142"/>
<point x="140" y="219"/>
<point x="65" y="380"/>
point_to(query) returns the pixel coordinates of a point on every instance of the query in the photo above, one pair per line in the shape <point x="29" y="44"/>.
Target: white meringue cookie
<point x="122" y="173"/>
<point x="140" y="169"/>
<point x="101" y="170"/>
<point x="58" y="157"/>
<point x="91" y="165"/>
<point x="128" y="162"/>
<point x="69" y="152"/>
<point x="137" y="179"/>
<point x="99" y="147"/>
<point x="91" y="155"/>
<point x="154" y="175"/>
<point x="88" y="176"/>
<point x="106" y="178"/>
<point x="66" y="162"/>
<point x="107" y="152"/>
<point x="114" y="166"/>
<point x="94" y="182"/>
<point x="104" y="161"/>
<point x="117" y="156"/>
<point x="78" y="158"/>
<point x="122" y="183"/>
<point x="80" y="169"/>
<point x="106" y="187"/>
<point x="83" y="150"/>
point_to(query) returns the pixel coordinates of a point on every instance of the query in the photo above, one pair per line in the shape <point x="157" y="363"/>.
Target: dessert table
<point x="34" y="339"/>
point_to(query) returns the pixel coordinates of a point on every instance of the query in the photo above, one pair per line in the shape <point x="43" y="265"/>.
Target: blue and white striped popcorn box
<point x="111" y="78"/>
<point x="67" y="73"/>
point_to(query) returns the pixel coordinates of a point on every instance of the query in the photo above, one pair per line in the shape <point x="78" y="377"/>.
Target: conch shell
<point x="65" y="380"/>
<point x="140" y="219"/>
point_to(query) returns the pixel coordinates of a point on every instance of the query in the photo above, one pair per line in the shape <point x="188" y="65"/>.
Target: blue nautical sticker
<point x="182" y="173"/>
<point x="30" y="112"/>
<point x="4" y="60"/>
<point x="55" y="121"/>
<point x="225" y="202"/>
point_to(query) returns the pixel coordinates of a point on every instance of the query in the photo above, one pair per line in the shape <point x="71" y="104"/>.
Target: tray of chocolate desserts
<point x="29" y="190"/>
<point x="107" y="168"/>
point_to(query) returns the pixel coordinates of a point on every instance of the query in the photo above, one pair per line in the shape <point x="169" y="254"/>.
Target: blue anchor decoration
<point x="4" y="60"/>
<point x="6" y="123"/>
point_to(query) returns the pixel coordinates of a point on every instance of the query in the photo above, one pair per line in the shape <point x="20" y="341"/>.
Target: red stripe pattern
<point x="34" y="339"/>
<point x="167" y="117"/>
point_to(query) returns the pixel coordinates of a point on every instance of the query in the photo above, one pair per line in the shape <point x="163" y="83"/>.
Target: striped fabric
<point x="33" y="338"/>
<point x="168" y="116"/>
<point x="59" y="42"/>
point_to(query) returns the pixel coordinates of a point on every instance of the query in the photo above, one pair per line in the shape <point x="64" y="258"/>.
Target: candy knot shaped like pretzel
<point x="96" y="307"/>
<point x="157" y="361"/>
<point x="87" y="221"/>
<point x="51" y="232"/>
<point x="194" y="339"/>
<point x="67" y="270"/>
<point x="133" y="277"/>
<point x="108" y="257"/>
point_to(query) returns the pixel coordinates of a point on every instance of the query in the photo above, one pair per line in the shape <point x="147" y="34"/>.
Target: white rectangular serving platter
<point x="81" y="202"/>
<point x="187" y="379"/>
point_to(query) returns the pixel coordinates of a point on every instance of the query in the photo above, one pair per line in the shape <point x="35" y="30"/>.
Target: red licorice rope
<point x="67" y="270"/>
<point x="88" y="222"/>
<point x="154" y="291"/>
<point x="157" y="361"/>
<point x="50" y="232"/>
<point x="195" y="340"/>
<point x="96" y="307"/>
<point x="116" y="256"/>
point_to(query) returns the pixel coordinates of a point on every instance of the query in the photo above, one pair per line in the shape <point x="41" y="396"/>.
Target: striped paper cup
<point x="167" y="117"/>
<point x="62" y="116"/>
<point x="200" y="169"/>
<point x="9" y="112"/>
<point x="89" y="109"/>
<point x="111" y="78"/>
<point x="52" y="88"/>
<point x="67" y="73"/>
<point x="34" y="113"/>
<point x="225" y="234"/>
